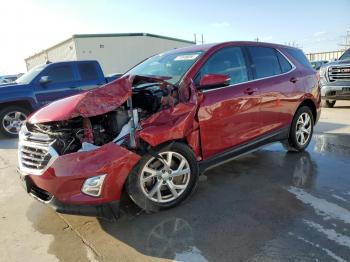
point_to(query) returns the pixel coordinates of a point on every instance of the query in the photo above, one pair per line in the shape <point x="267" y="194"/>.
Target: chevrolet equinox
<point x="153" y="131"/>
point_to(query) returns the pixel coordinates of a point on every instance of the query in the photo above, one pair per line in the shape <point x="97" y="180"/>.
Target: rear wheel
<point x="11" y="120"/>
<point x="328" y="103"/>
<point x="163" y="180"/>
<point x="301" y="130"/>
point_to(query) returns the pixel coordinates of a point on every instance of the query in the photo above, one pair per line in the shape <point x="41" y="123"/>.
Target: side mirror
<point x="214" y="80"/>
<point x="44" y="80"/>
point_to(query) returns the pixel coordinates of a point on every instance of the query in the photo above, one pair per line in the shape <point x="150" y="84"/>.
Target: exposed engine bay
<point x="69" y="136"/>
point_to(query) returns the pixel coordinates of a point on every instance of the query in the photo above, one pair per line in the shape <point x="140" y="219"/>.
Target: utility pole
<point x="200" y="41"/>
<point x="257" y="39"/>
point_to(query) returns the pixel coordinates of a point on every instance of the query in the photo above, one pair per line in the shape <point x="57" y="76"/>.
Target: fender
<point x="18" y="93"/>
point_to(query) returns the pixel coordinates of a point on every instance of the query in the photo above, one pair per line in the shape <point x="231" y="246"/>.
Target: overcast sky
<point x="30" y="26"/>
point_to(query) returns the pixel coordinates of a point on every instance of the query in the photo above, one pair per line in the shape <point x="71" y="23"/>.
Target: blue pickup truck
<point x="42" y="85"/>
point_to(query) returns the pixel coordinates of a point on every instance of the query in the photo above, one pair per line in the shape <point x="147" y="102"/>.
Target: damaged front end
<point x="76" y="153"/>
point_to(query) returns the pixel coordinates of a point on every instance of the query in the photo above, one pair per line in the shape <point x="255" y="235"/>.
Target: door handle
<point x="294" y="79"/>
<point x="250" y="91"/>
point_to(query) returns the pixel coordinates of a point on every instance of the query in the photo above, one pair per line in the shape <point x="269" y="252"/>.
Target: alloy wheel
<point x="303" y="129"/>
<point x="165" y="178"/>
<point x="13" y="121"/>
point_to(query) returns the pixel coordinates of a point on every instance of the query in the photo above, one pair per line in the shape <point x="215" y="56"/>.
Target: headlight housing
<point x="93" y="185"/>
<point x="323" y="71"/>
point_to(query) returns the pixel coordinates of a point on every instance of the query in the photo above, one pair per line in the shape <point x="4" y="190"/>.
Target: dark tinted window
<point x="345" y="56"/>
<point x="265" y="61"/>
<point x="87" y="71"/>
<point x="299" y="56"/>
<point x="228" y="61"/>
<point x="285" y="65"/>
<point x="60" y="74"/>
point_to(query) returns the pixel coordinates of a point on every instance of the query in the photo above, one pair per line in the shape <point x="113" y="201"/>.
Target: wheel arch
<point x="22" y="103"/>
<point x="309" y="103"/>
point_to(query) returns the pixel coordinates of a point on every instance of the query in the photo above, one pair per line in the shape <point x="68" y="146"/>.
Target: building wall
<point x="325" y="55"/>
<point x="117" y="54"/>
<point x="64" y="51"/>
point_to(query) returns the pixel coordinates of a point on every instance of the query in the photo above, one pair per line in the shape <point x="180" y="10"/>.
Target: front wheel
<point x="163" y="179"/>
<point x="11" y="120"/>
<point x="301" y="130"/>
<point x="328" y="103"/>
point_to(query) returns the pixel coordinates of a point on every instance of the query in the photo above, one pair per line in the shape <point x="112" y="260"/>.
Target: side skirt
<point x="240" y="150"/>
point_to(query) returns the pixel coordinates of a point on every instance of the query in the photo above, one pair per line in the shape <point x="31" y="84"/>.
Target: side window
<point x="87" y="71"/>
<point x="228" y="61"/>
<point x="299" y="56"/>
<point x="285" y="65"/>
<point x="59" y="74"/>
<point x="264" y="61"/>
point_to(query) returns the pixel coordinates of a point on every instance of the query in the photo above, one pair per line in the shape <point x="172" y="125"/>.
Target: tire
<point x="17" y="115"/>
<point x="302" y="123"/>
<point x="142" y="185"/>
<point x="328" y="103"/>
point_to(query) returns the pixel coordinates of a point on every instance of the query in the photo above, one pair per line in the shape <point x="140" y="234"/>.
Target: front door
<point x="63" y="83"/>
<point x="228" y="116"/>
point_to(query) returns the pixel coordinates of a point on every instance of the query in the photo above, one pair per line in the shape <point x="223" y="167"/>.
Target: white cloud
<point x="220" y="24"/>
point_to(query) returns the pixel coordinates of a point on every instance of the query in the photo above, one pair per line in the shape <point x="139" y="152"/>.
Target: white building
<point x="115" y="52"/>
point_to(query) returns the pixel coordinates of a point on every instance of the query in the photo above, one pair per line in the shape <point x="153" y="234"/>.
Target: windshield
<point x="346" y="55"/>
<point x="169" y="65"/>
<point x="30" y="75"/>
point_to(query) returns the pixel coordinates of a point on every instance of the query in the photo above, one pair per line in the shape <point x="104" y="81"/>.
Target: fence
<point x="331" y="55"/>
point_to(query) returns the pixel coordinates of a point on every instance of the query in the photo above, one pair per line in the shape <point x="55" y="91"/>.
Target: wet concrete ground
<point x="266" y="206"/>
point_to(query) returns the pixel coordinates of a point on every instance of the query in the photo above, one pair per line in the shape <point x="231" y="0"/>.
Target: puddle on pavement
<point x="66" y="245"/>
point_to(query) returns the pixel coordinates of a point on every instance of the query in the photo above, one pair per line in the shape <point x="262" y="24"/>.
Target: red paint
<point x="209" y="121"/>
<point x="65" y="177"/>
<point x="214" y="79"/>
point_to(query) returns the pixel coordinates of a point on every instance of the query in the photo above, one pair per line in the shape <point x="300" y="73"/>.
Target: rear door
<point x="90" y="75"/>
<point x="228" y="116"/>
<point x="63" y="83"/>
<point x="271" y="72"/>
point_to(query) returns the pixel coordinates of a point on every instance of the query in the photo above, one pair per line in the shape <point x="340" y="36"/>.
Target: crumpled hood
<point x="91" y="103"/>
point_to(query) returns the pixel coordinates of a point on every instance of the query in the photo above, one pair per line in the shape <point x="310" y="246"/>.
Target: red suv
<point x="152" y="132"/>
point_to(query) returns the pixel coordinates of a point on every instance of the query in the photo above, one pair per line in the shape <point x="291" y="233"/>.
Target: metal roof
<point x="109" y="35"/>
<point x="132" y="34"/>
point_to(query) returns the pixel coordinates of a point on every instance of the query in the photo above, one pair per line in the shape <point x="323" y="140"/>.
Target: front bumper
<point x="335" y="92"/>
<point x="59" y="185"/>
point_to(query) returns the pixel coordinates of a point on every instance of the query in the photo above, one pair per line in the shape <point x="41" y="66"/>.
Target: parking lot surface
<point x="269" y="205"/>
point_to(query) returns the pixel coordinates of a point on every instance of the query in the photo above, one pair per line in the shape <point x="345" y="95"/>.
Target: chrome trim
<point x="330" y="76"/>
<point x="263" y="78"/>
<point x="23" y="159"/>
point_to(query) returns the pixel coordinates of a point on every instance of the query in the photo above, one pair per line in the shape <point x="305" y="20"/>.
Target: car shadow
<point x="343" y="107"/>
<point x="238" y="206"/>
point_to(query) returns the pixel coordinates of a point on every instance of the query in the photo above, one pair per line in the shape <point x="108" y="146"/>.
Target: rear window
<point x="285" y="65"/>
<point x="299" y="56"/>
<point x="87" y="71"/>
<point x="265" y="61"/>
